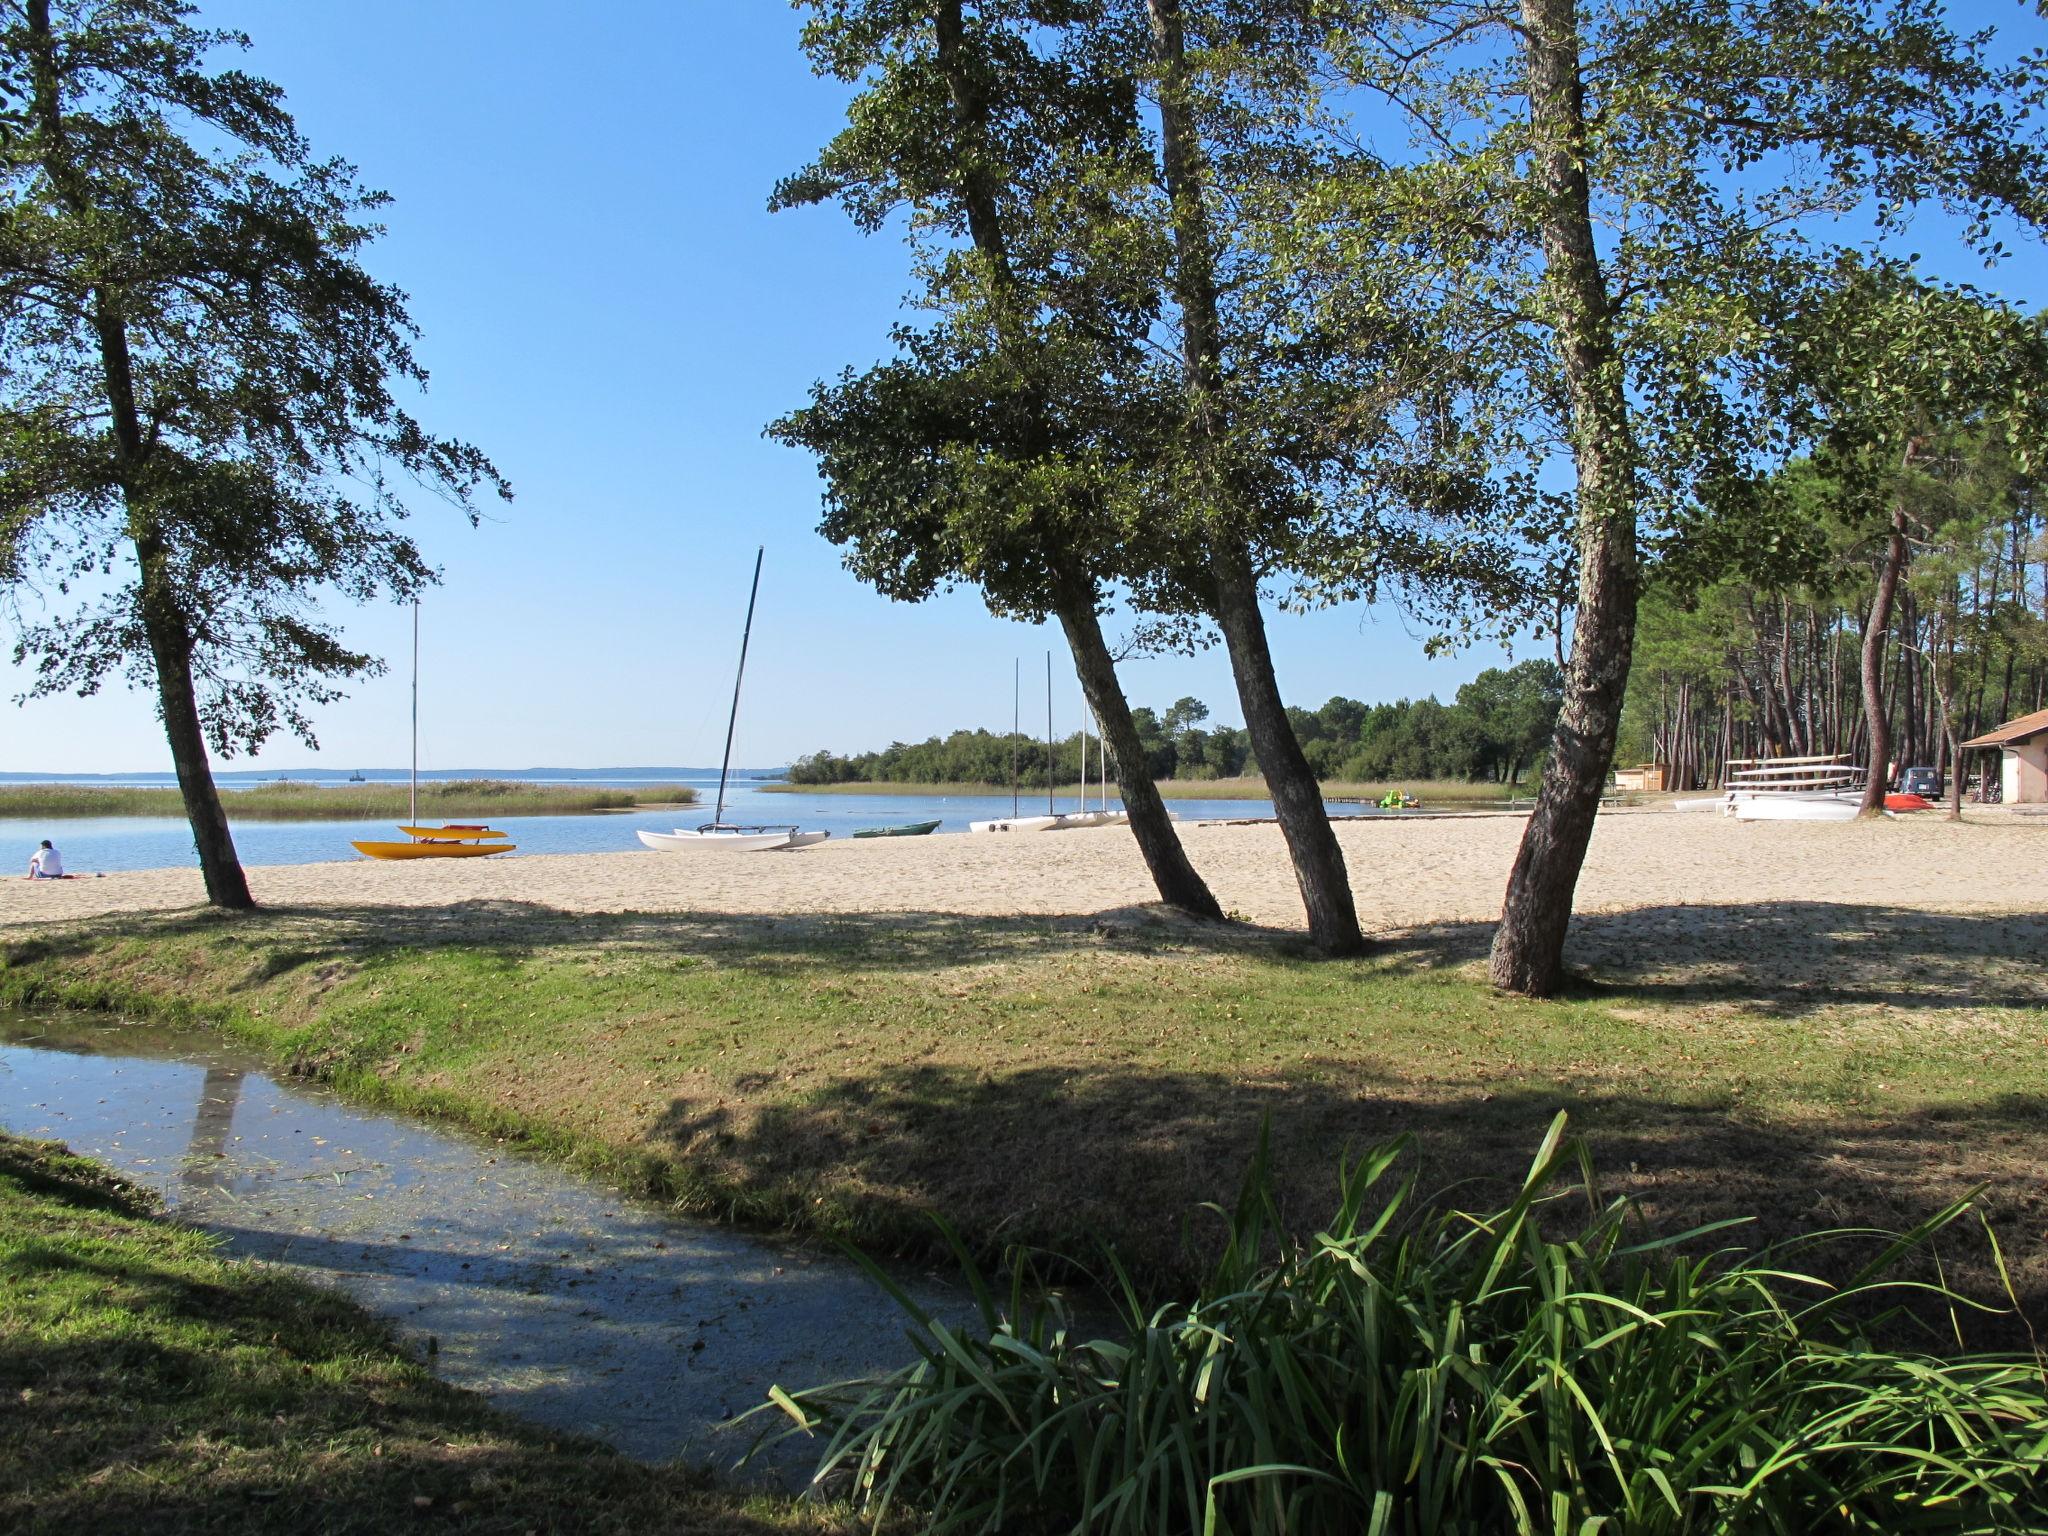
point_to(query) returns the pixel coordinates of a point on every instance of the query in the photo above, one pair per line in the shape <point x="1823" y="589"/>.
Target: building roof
<point x="2012" y="731"/>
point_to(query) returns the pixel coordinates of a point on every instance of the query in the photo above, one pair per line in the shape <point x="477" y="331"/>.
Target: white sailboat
<point x="716" y="835"/>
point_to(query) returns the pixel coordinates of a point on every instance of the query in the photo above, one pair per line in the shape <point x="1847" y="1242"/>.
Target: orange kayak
<point x="455" y="832"/>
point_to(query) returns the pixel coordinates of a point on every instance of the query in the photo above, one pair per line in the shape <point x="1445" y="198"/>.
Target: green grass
<point x="290" y="801"/>
<point x="1429" y="791"/>
<point x="151" y="1385"/>
<point x="1419" y="1366"/>
<point x="1047" y="1079"/>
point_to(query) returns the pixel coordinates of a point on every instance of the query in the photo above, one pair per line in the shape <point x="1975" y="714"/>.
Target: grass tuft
<point x="1425" y="1369"/>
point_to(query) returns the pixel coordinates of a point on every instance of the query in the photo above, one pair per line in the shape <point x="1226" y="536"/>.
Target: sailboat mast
<point x="1048" y="736"/>
<point x="413" y="815"/>
<point x="1016" y="724"/>
<point x="733" y="719"/>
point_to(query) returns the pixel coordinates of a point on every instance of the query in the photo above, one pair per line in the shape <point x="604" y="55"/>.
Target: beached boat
<point x="719" y="839"/>
<point x="716" y="835"/>
<point x="434" y="848"/>
<point x="1017" y="824"/>
<point x="454" y="832"/>
<point x="460" y="840"/>
<point x="1795" y="807"/>
<point x="908" y="829"/>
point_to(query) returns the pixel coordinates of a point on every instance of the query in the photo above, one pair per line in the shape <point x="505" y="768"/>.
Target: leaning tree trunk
<point x="1297" y="797"/>
<point x="1164" y="856"/>
<point x="1877" y="753"/>
<point x="170" y="649"/>
<point x="1179" y="885"/>
<point x="169" y="637"/>
<point x="1528" y="949"/>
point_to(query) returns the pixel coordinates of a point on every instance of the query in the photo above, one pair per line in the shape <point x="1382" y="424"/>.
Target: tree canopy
<point x="196" y="390"/>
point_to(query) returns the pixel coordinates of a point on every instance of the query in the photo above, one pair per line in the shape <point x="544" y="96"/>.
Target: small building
<point x="2023" y="749"/>
<point x="1648" y="778"/>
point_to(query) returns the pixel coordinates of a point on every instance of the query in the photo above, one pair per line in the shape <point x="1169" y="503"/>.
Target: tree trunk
<point x="170" y="648"/>
<point x="163" y="623"/>
<point x="1877" y="753"/>
<point x="1179" y="885"/>
<point x="1297" y="797"/>
<point x="1528" y="949"/>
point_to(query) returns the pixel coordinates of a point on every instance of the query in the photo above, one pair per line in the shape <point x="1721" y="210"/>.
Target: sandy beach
<point x="1407" y="873"/>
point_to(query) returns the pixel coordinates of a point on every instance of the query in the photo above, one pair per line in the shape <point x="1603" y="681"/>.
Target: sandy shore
<point x="1406" y="873"/>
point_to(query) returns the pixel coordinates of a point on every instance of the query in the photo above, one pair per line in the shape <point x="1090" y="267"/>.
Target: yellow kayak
<point x="457" y="833"/>
<point x="431" y="850"/>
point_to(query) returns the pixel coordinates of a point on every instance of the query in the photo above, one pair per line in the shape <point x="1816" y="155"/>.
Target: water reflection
<point x="560" y="1300"/>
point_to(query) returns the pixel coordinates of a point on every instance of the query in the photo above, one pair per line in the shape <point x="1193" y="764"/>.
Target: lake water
<point x="105" y="844"/>
<point x="560" y="1300"/>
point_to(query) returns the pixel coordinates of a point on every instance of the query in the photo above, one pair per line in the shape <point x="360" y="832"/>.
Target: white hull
<point x="1794" y="808"/>
<point x="680" y="841"/>
<point x="804" y="840"/>
<point x="1017" y="824"/>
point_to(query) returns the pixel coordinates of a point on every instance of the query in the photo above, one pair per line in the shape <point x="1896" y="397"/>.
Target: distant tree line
<point x="1496" y="730"/>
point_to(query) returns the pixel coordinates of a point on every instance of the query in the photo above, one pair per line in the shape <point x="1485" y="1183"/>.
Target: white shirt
<point x="48" y="863"/>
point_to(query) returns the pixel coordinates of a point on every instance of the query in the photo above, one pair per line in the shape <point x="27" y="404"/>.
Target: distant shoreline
<point x="292" y="801"/>
<point x="1424" y="790"/>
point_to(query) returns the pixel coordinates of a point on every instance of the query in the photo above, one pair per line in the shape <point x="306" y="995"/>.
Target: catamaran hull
<point x="680" y="841"/>
<point x="1794" y="808"/>
<point x="1066" y="821"/>
<point x="1016" y="824"/>
<point x="431" y="850"/>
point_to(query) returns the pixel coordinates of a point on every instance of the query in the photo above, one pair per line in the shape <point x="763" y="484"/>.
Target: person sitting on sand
<point x="46" y="863"/>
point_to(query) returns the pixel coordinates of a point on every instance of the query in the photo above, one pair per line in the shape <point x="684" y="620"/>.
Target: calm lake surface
<point x="104" y="844"/>
<point x="560" y="1300"/>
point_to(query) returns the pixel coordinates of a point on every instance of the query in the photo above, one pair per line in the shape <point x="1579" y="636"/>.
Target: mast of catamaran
<point x="1049" y="810"/>
<point x="1016" y="724"/>
<point x="413" y="815"/>
<point x="725" y="764"/>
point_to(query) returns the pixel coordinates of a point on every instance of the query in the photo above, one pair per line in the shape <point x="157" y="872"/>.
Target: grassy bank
<point x="152" y="1385"/>
<point x="291" y="801"/>
<point x="1057" y="1079"/>
<point x="1428" y="791"/>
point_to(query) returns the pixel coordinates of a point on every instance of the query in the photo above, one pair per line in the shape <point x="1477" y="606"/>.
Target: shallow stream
<point x="560" y="1300"/>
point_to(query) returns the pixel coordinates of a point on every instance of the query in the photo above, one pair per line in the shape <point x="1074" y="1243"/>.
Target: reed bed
<point x="291" y="800"/>
<point x="1434" y="1371"/>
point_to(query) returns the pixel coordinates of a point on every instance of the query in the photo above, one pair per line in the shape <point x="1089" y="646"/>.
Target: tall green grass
<point x="1542" y="1368"/>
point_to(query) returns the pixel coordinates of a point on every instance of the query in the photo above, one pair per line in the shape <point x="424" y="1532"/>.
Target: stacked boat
<point x="1794" y="789"/>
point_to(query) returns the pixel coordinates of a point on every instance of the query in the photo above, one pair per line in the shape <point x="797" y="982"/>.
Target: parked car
<point x="1921" y="781"/>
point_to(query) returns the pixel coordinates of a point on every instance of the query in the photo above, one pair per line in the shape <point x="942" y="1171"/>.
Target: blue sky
<point x="609" y="312"/>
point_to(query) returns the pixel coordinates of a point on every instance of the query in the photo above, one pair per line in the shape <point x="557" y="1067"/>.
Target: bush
<point x="1435" y="1371"/>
